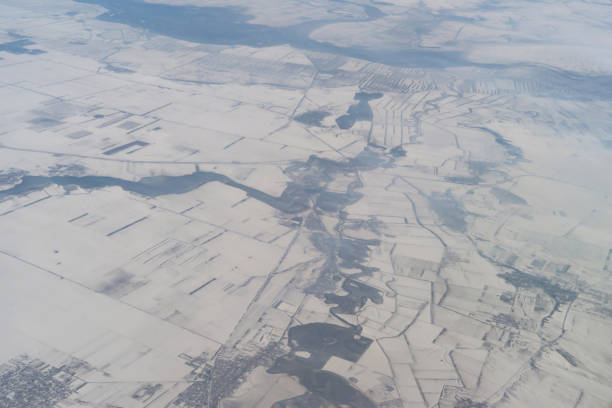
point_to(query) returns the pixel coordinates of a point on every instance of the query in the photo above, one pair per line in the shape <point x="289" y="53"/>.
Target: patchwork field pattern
<point x="234" y="204"/>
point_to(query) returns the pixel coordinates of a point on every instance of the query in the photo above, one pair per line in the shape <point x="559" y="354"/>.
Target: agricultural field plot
<point x="232" y="204"/>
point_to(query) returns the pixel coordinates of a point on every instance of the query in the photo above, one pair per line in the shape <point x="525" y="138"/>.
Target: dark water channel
<point x="230" y="26"/>
<point x="359" y="111"/>
<point x="291" y="201"/>
<point x="305" y="197"/>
